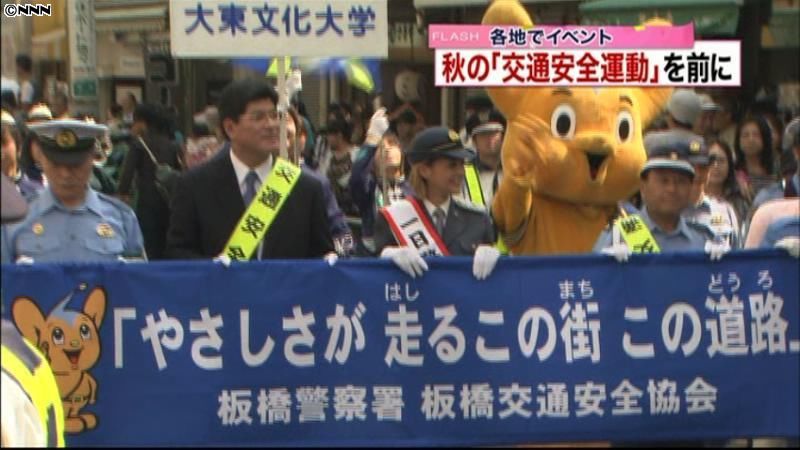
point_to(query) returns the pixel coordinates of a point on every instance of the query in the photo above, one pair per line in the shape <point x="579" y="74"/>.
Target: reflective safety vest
<point x="24" y="364"/>
<point x="475" y="192"/>
<point x="474" y="184"/>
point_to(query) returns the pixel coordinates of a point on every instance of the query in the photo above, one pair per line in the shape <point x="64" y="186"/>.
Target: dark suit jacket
<point x="467" y="227"/>
<point x="207" y="205"/>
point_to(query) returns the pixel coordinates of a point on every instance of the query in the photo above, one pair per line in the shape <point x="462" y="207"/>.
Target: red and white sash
<point x="412" y="227"/>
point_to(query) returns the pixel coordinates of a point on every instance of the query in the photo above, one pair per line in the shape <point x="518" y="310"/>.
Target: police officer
<point x="718" y="217"/>
<point x="433" y="220"/>
<point x="484" y="172"/>
<point x="32" y="414"/>
<point x="667" y="179"/>
<point x="69" y="221"/>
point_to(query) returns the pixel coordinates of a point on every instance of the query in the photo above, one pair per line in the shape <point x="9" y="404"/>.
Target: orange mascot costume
<point x="569" y="155"/>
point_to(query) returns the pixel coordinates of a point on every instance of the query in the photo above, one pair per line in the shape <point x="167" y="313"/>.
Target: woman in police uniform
<point x="458" y="228"/>
<point x="69" y="221"/>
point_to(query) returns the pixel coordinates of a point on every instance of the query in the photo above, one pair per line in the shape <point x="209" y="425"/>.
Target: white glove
<point x="407" y="259"/>
<point x="620" y="252"/>
<point x="294" y="82"/>
<point x="716" y="250"/>
<point x="790" y="244"/>
<point x="223" y="259"/>
<point x="378" y="125"/>
<point x="331" y="258"/>
<point x="25" y="260"/>
<point x="484" y="261"/>
<point x="130" y="260"/>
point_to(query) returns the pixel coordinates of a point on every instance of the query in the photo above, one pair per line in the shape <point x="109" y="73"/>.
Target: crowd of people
<point x="710" y="167"/>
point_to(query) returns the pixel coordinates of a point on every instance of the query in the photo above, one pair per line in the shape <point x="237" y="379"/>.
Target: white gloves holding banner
<point x="791" y="245"/>
<point x="716" y="250"/>
<point x="406" y="259"/>
<point x="409" y="260"/>
<point x="619" y="251"/>
<point x="484" y="261"/>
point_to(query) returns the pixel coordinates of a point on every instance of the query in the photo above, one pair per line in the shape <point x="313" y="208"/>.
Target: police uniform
<point x="102" y="229"/>
<point x="466" y="226"/>
<point x="718" y="217"/>
<point x="667" y="152"/>
<point x="485" y="179"/>
<point x="687" y="236"/>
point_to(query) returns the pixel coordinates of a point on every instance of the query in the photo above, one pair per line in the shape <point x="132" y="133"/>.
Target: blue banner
<point x="665" y="347"/>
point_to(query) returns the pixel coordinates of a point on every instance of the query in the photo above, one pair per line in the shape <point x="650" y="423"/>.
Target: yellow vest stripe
<point x="636" y="234"/>
<point x="261" y="212"/>
<point x="474" y="184"/>
<point x="40" y="385"/>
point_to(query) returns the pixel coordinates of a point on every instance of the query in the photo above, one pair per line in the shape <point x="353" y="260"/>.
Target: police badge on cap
<point x="67" y="141"/>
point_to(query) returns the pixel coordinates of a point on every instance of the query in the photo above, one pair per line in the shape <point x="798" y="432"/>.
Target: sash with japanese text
<point x="664" y="347"/>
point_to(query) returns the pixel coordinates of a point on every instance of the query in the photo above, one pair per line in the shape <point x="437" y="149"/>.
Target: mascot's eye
<point x="562" y="122"/>
<point x="624" y="126"/>
<point x="86" y="333"/>
<point x="58" y="336"/>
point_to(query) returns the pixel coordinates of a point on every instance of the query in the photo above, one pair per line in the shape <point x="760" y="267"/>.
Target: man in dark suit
<point x="460" y="228"/>
<point x="210" y="200"/>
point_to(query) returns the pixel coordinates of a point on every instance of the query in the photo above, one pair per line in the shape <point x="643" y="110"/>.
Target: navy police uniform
<point x="466" y="226"/>
<point x="102" y="229"/>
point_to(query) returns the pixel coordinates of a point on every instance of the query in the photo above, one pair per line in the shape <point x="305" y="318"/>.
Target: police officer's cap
<point x="676" y="151"/>
<point x="690" y="145"/>
<point x="489" y="122"/>
<point x="436" y="142"/>
<point x="67" y="141"/>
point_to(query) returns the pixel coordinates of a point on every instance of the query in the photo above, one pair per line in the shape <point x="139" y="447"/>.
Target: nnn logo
<point x="21" y="10"/>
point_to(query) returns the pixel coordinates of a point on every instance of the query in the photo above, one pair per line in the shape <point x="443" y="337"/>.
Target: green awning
<point x="711" y="17"/>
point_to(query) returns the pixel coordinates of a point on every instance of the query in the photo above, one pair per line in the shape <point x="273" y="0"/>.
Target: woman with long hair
<point x="755" y="162"/>
<point x="722" y="183"/>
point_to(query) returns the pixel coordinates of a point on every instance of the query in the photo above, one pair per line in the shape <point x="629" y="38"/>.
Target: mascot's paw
<point x="531" y="134"/>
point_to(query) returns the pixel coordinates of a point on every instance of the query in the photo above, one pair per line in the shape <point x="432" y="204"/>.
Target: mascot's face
<point x="578" y="145"/>
<point x="581" y="145"/>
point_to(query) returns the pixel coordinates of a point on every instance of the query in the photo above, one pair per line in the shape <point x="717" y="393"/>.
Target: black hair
<point x="24" y="62"/>
<point x="339" y="126"/>
<point x="8" y="100"/>
<point x="766" y="157"/>
<point x="237" y="95"/>
<point x="478" y="102"/>
<point x="154" y="116"/>
<point x="116" y="110"/>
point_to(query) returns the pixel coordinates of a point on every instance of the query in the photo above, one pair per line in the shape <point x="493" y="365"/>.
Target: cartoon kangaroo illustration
<point x="70" y="340"/>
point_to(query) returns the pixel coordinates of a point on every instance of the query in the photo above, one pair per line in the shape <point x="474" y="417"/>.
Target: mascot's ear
<point x="651" y="102"/>
<point x="507" y="12"/>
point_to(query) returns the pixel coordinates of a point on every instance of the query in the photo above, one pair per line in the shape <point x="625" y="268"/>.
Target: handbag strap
<point x="147" y="149"/>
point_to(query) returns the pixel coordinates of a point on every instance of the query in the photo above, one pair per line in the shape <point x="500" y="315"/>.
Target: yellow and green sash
<point x="261" y="212"/>
<point x="636" y="234"/>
